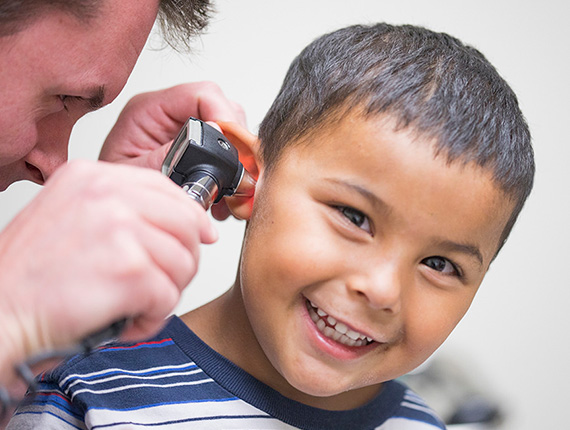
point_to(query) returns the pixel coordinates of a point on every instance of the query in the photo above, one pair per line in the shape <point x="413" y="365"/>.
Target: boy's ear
<point x="247" y="145"/>
<point x="245" y="142"/>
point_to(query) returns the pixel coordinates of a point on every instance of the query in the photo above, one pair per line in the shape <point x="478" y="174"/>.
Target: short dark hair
<point x="432" y="82"/>
<point x="180" y="20"/>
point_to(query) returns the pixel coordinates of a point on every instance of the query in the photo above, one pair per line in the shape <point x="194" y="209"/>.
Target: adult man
<point x="96" y="244"/>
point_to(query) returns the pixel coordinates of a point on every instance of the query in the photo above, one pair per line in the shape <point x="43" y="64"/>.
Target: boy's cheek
<point x="431" y="324"/>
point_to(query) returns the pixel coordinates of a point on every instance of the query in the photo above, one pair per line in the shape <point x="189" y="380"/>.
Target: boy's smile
<point x="362" y="254"/>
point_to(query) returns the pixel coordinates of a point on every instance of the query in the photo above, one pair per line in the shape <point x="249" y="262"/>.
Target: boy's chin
<point x="326" y="392"/>
<point x="337" y="397"/>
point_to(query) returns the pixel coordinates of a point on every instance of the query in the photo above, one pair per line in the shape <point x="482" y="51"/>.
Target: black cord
<point x="24" y="369"/>
<point x="24" y="372"/>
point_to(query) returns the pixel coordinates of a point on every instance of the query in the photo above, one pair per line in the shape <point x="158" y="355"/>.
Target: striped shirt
<point x="175" y="381"/>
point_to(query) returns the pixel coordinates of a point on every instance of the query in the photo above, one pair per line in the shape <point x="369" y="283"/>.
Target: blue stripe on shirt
<point x="228" y="399"/>
<point x="186" y="420"/>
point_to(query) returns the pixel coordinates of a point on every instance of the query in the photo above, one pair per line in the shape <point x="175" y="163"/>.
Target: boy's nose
<point x="381" y="287"/>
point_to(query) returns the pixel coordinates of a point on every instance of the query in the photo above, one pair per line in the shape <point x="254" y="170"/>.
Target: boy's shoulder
<point x="115" y="364"/>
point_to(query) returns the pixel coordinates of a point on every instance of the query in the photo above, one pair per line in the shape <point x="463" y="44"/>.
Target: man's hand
<point x="99" y="243"/>
<point x="150" y="121"/>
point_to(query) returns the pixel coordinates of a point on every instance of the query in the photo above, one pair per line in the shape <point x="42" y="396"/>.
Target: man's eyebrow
<point x="95" y="101"/>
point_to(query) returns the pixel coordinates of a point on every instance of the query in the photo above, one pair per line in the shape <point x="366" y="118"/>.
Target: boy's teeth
<point x="353" y="335"/>
<point x="333" y="329"/>
<point x="341" y="327"/>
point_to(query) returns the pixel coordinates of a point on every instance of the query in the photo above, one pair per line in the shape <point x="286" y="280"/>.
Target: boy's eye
<point x="443" y="265"/>
<point x="356" y="217"/>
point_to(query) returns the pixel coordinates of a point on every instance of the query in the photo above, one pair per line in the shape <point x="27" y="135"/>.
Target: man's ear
<point x="247" y="145"/>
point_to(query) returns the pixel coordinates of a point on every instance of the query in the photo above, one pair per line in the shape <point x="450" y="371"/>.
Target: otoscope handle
<point x="106" y="334"/>
<point x="206" y="165"/>
<point x="202" y="188"/>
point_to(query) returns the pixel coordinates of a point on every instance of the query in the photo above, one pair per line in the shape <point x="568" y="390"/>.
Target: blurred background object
<point x="454" y="388"/>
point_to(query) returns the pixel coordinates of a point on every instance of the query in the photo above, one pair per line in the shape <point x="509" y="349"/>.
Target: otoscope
<point x="204" y="163"/>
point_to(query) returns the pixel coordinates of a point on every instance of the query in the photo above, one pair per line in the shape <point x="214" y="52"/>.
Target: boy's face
<point x="363" y="253"/>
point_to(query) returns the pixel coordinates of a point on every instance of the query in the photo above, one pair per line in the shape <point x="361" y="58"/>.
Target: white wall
<point x="516" y="336"/>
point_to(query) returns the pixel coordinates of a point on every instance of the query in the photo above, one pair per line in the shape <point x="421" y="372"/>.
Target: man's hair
<point x="179" y="20"/>
<point x="431" y="82"/>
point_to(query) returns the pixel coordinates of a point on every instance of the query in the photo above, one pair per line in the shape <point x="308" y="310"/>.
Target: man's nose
<point x="381" y="286"/>
<point x="51" y="151"/>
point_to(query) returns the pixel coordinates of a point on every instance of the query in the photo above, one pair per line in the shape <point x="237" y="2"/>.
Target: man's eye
<point x="443" y="265"/>
<point x="356" y="217"/>
<point x="68" y="99"/>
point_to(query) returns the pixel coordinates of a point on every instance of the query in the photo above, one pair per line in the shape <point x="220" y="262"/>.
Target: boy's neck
<point x="224" y="326"/>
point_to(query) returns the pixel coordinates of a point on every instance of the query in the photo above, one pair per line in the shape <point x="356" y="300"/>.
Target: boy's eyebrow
<point x="464" y="248"/>
<point x="372" y="198"/>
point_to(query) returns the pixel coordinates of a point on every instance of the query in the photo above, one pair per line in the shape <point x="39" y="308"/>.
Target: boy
<point x="391" y="168"/>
